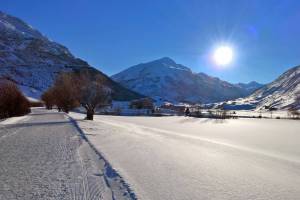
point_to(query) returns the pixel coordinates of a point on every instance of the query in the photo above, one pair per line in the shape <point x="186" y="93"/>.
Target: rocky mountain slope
<point x="31" y="60"/>
<point x="166" y="80"/>
<point x="281" y="93"/>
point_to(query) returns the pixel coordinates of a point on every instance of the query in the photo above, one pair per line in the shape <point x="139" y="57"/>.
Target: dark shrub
<point x="12" y="101"/>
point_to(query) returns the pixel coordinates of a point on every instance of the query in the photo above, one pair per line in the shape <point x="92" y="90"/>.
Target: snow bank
<point x="12" y="120"/>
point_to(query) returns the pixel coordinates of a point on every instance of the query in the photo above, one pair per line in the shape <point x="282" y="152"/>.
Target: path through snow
<point x="43" y="156"/>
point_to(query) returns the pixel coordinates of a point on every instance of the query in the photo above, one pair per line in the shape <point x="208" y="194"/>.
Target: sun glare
<point x="223" y="55"/>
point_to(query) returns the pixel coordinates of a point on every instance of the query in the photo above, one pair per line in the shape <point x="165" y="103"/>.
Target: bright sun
<point x="223" y="55"/>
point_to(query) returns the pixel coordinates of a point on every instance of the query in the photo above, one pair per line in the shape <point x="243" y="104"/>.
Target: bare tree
<point x="66" y="92"/>
<point x="224" y="114"/>
<point x="221" y="112"/>
<point x="271" y="110"/>
<point x="260" y="113"/>
<point x="93" y="94"/>
<point x="78" y="88"/>
<point x="293" y="110"/>
<point x="48" y="98"/>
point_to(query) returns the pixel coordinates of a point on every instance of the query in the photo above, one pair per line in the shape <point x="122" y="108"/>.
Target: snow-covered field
<point x="264" y="113"/>
<point x="189" y="158"/>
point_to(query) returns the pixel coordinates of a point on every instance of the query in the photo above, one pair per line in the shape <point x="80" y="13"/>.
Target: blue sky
<point x="113" y="35"/>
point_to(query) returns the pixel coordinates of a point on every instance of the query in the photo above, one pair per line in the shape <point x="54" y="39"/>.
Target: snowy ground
<point x="265" y="113"/>
<point x="44" y="156"/>
<point x="188" y="158"/>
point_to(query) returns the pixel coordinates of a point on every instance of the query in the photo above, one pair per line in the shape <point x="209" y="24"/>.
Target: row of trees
<point x="12" y="101"/>
<point x="72" y="89"/>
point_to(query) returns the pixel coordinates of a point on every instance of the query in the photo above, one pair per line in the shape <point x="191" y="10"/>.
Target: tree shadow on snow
<point x="109" y="173"/>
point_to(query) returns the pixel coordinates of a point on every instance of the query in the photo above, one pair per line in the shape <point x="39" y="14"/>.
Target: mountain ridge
<point x="251" y="86"/>
<point x="32" y="61"/>
<point x="157" y="78"/>
<point x="280" y="93"/>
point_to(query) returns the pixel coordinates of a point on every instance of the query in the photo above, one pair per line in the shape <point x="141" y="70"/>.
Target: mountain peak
<point x="18" y="26"/>
<point x="166" y="60"/>
<point x="251" y="86"/>
<point x="164" y="79"/>
<point x="167" y="63"/>
<point x="254" y="83"/>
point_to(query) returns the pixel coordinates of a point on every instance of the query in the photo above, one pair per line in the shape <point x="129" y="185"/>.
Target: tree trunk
<point x="89" y="114"/>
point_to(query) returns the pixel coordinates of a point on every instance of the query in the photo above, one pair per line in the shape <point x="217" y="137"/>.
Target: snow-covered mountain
<point x="280" y="93"/>
<point x="33" y="61"/>
<point x="250" y="87"/>
<point x="166" y="80"/>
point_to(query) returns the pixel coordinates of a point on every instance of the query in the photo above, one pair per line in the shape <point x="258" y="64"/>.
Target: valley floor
<point x="189" y="158"/>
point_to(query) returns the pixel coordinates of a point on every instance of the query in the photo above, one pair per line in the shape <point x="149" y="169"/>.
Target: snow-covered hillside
<point x="33" y="61"/>
<point x="280" y="93"/>
<point x="164" y="79"/>
<point x="250" y="87"/>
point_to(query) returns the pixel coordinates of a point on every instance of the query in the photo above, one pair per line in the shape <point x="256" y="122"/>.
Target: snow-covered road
<point x="181" y="158"/>
<point x="43" y="156"/>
